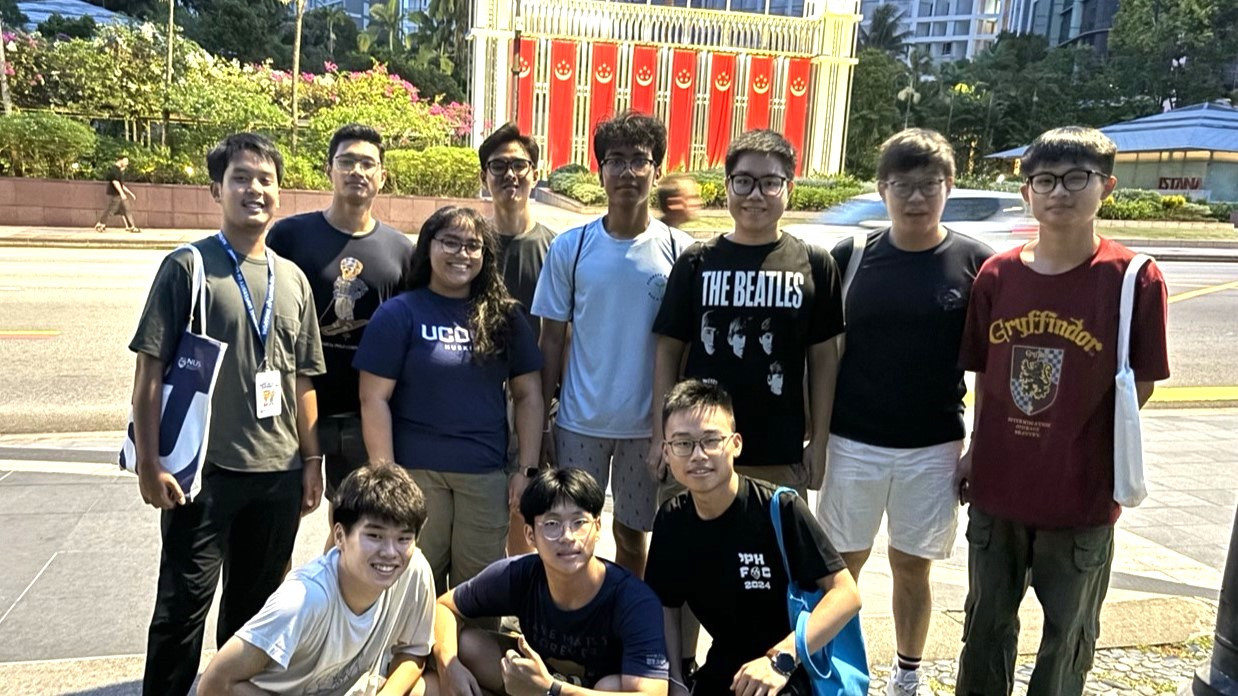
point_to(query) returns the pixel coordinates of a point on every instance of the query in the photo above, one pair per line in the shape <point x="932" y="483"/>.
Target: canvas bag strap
<point x="858" y="241"/>
<point x="197" y="287"/>
<point x="775" y="513"/>
<point x="1126" y="308"/>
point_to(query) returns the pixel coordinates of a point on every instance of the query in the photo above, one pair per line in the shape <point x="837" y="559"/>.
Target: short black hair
<point x="1074" y="144"/>
<point x="914" y="148"/>
<point x="634" y="129"/>
<point x="218" y="159"/>
<point x="507" y="133"/>
<point x="673" y="185"/>
<point x="383" y="492"/>
<point x="554" y="486"/>
<point x="761" y="142"/>
<point x="697" y="394"/>
<point x="355" y="131"/>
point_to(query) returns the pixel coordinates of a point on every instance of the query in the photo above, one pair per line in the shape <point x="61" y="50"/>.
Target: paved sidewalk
<point x="77" y="585"/>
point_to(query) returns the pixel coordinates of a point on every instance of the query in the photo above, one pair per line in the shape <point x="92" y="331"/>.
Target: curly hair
<point x="491" y="307"/>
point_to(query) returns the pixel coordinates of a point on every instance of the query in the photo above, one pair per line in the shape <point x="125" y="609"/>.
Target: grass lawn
<point x="1168" y="230"/>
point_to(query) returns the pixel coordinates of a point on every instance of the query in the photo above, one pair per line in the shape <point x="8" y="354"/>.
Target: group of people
<point x="467" y="400"/>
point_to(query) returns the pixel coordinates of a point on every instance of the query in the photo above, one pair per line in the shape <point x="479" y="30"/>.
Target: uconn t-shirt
<point x="448" y="410"/>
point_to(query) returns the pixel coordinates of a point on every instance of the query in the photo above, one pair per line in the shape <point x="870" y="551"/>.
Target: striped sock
<point x="907" y="664"/>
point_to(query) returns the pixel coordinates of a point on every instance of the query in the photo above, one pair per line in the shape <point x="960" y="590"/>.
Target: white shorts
<point x="913" y="487"/>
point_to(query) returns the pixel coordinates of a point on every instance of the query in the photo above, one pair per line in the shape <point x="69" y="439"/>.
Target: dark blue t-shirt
<point x="618" y="632"/>
<point x="448" y="410"/>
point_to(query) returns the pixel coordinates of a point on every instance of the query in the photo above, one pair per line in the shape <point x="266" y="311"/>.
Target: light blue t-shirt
<point x="608" y="382"/>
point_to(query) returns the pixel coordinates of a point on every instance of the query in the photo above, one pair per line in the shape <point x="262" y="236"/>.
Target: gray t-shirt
<point x="239" y="440"/>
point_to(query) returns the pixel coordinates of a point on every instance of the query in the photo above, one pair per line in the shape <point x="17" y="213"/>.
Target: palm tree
<point x="386" y="21"/>
<point x="333" y="16"/>
<point x="883" y="32"/>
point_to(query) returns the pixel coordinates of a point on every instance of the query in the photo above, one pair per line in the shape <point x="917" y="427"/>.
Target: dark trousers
<point x="245" y="523"/>
<point x="1068" y="569"/>
<point x="116" y="205"/>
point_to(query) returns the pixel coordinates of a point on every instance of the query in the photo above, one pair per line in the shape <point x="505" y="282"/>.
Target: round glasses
<point x="616" y="166"/>
<point x="1073" y="180"/>
<point x="455" y="246"/>
<point x="771" y="185"/>
<point x="554" y="530"/>
<point x="516" y="165"/>
<point x="711" y="444"/>
<point x="928" y="188"/>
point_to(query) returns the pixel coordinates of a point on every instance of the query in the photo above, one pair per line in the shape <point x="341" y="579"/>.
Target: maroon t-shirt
<point x="1042" y="452"/>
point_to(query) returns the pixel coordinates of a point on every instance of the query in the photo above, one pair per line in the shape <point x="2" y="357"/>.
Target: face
<point x="510" y="189"/>
<point x="758" y="211"/>
<point x="701" y="471"/>
<point x="629" y="185"/>
<point x="375" y="553"/>
<point x="738" y="340"/>
<point x="564" y="537"/>
<point x="916" y="212"/>
<point x="248" y="196"/>
<point x="685" y="205"/>
<point x="1062" y="208"/>
<point x="122" y="163"/>
<point x="709" y="335"/>
<point x="356" y="171"/>
<point x="452" y="270"/>
<point x="767" y="343"/>
<point x="775" y="382"/>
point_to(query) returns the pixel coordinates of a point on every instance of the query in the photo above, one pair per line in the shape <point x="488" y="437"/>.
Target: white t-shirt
<point x="319" y="647"/>
<point x="619" y="283"/>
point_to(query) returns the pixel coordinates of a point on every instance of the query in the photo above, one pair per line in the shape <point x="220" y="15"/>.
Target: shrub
<point x="1222" y="211"/>
<point x="43" y="144"/>
<point x="813" y="196"/>
<point x="587" y="193"/>
<point x="303" y="173"/>
<point x="988" y="183"/>
<point x="435" y="171"/>
<point x="1114" y="208"/>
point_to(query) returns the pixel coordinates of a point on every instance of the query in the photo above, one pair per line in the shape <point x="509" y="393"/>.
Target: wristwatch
<point x="783" y="662"/>
<point x="531" y="472"/>
<point x="556" y="686"/>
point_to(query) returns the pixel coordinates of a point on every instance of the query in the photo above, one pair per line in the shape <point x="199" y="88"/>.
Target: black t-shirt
<point x="115" y="174"/>
<point x="520" y="260"/>
<point x="749" y="315"/>
<point x="899" y="384"/>
<point x="350" y="277"/>
<point x="729" y="570"/>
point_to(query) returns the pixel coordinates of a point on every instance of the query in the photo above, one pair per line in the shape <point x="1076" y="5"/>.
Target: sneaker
<point x="135" y="230"/>
<point x="905" y="683"/>
<point x="100" y="227"/>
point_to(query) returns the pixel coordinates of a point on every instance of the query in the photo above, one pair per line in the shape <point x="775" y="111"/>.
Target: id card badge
<point x="268" y="394"/>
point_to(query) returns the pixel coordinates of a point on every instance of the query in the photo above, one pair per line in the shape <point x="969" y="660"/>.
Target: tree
<point x="386" y="23"/>
<point x="874" y="108"/>
<point x="12" y="15"/>
<point x="141" y="9"/>
<point x="883" y="32"/>
<point x="331" y="26"/>
<point x="55" y="27"/>
<point x="1173" y="51"/>
<point x="247" y="30"/>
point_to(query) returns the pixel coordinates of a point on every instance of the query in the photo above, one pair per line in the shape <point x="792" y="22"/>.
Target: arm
<point x="530" y="414"/>
<point x="375" y="394"/>
<point x="1143" y="389"/>
<point x="963" y="471"/>
<point x="229" y="673"/>
<point x="406" y="670"/>
<point x="307" y="435"/>
<point x="671" y="622"/>
<point x="455" y="676"/>
<point x="158" y="487"/>
<point x="527" y="675"/>
<point x="126" y="192"/>
<point x="667" y="356"/>
<point x="551" y="343"/>
<point x="823" y="360"/>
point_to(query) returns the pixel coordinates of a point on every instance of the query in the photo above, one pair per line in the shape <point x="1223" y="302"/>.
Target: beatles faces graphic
<point x="737" y="330"/>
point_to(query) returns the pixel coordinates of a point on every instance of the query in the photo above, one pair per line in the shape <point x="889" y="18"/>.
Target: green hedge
<point x="1140" y="204"/>
<point x="435" y="171"/>
<point x="44" y="145"/>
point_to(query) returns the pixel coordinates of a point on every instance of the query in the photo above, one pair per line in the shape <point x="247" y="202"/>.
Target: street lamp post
<point x="1220" y="676"/>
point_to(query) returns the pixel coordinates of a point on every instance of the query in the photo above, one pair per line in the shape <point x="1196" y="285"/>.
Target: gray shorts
<point x="342" y="447"/>
<point x="635" y="493"/>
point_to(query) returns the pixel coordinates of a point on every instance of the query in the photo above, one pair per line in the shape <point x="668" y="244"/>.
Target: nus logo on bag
<point x="449" y="337"/>
<point x="191" y="363"/>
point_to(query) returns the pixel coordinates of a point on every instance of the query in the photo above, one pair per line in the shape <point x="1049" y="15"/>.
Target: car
<point x="995" y="217"/>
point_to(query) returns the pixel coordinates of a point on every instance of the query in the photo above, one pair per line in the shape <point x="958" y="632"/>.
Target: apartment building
<point x="948" y="29"/>
<point x="1065" y="21"/>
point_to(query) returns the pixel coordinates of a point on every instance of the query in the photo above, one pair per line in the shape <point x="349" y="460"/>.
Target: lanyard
<point x="261" y="326"/>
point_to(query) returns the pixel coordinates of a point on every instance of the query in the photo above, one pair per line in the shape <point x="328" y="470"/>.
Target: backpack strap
<point x="858" y="241"/>
<point x="580" y="245"/>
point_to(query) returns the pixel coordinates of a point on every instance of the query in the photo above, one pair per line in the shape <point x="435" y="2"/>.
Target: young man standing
<point x="353" y="262"/>
<point x="509" y="173"/>
<point x="607" y="279"/>
<point x="897" y="427"/>
<point x="756" y="279"/>
<point x="589" y="626"/>
<point x="118" y="196"/>
<point x="714" y="549"/>
<point x="367" y="600"/>
<point x="263" y="469"/>
<point x="1041" y="334"/>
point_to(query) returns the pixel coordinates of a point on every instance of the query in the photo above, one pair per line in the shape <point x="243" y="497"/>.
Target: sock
<point x="907" y="664"/>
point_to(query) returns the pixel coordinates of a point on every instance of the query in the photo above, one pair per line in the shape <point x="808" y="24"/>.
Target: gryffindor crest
<point x="1034" y="376"/>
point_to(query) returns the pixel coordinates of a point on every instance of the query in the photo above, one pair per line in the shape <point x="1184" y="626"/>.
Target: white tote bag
<point x="188" y="382"/>
<point x="1128" y="483"/>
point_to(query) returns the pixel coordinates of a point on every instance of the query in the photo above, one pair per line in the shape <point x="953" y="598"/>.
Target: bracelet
<point x="313" y="457"/>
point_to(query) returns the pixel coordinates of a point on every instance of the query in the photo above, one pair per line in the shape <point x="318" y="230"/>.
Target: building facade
<point x="1085" y="22"/>
<point x="359" y="10"/>
<point x="947" y="29"/>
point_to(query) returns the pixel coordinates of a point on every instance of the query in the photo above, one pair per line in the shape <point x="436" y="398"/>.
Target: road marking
<point x="32" y="582"/>
<point x="1181" y="394"/>
<point x="1191" y="294"/>
<point x="32" y="334"/>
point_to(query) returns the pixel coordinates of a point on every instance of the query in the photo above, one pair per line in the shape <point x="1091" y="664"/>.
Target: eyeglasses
<point x="928" y="188"/>
<point x="516" y="165"/>
<point x="616" y="166"/>
<point x="347" y="164"/>
<point x="771" y="185"/>
<point x="711" y="444"/>
<point x="554" y="530"/>
<point x="455" y="246"/>
<point x="1073" y="180"/>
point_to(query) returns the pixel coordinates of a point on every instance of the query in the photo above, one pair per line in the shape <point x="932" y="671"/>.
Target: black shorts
<point x="343" y="448"/>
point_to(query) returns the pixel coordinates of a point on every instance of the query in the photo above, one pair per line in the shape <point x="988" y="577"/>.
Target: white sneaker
<point x="904" y="682"/>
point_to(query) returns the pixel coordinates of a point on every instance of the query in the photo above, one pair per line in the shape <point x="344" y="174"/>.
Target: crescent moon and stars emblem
<point x="798" y="87"/>
<point x="683" y="79"/>
<point x="723" y="82"/>
<point x="524" y="68"/>
<point x="604" y="74"/>
<point x="644" y="77"/>
<point x="760" y="84"/>
<point x="563" y="71"/>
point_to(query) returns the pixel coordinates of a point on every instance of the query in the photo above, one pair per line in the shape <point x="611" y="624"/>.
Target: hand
<point x="311" y="482"/>
<point x="525" y="675"/>
<point x="655" y="462"/>
<point x="515" y="488"/>
<point x="962" y="472"/>
<point x="758" y="678"/>
<point x="549" y="456"/>
<point x="457" y="680"/>
<point x="159" y="488"/>
<point x="814" y="462"/>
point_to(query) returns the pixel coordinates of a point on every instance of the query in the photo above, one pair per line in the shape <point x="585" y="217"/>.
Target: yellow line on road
<point x="1191" y="294"/>
<point x="28" y="333"/>
<point x="1171" y="395"/>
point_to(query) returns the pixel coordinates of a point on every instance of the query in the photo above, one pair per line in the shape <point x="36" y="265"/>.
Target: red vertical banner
<point x="644" y="78"/>
<point x="760" y="82"/>
<point x="524" y="84"/>
<point x="683" y="99"/>
<point x="601" y="89"/>
<point x="721" y="104"/>
<point x="799" y="74"/>
<point x="561" y="121"/>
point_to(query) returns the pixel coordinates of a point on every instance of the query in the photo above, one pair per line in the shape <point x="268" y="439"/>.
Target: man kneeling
<point x="347" y="611"/>
<point x="589" y="625"/>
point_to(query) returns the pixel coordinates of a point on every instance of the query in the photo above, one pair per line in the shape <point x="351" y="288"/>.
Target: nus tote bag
<point x="841" y="667"/>
<point x="1128" y="483"/>
<point x="188" y="382"/>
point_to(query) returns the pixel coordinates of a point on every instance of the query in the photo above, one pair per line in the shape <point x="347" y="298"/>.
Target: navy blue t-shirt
<point x="618" y="632"/>
<point x="448" y="410"/>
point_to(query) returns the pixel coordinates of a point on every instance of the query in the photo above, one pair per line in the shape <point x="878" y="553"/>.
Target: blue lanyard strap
<point x="261" y="326"/>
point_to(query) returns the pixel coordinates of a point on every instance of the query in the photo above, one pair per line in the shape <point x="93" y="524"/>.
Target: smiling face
<point x="248" y="196"/>
<point x="757" y="213"/>
<point x="452" y="273"/>
<point x="374" y="554"/>
<point x="356" y="172"/>
<point x="577" y="534"/>
<point x="699" y="472"/>
<point x="509" y="189"/>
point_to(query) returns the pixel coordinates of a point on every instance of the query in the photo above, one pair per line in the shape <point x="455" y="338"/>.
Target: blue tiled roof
<point x="1208" y="126"/>
<point x="40" y="10"/>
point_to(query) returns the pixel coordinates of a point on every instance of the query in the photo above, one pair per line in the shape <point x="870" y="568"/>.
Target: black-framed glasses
<point x="616" y="166"/>
<point x="347" y="164"/>
<point x="929" y="188"/>
<point x="771" y="185"/>
<point x="710" y="444"/>
<point x="515" y="165"/>
<point x="455" y="246"/>
<point x="1073" y="180"/>
<point x="554" y="530"/>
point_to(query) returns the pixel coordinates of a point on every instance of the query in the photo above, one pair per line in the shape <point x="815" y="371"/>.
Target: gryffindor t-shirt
<point x="1042" y="452"/>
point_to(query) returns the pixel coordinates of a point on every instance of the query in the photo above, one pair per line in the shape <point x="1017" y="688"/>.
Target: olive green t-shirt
<point x="238" y="439"/>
